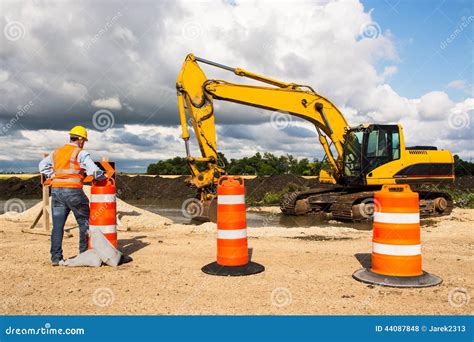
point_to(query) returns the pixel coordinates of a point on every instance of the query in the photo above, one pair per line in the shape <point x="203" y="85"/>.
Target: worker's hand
<point x="99" y="176"/>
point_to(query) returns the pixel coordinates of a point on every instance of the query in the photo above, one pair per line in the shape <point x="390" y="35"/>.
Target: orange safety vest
<point x="67" y="172"/>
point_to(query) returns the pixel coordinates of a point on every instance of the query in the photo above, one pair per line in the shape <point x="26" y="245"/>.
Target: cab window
<point x="395" y="146"/>
<point x="383" y="146"/>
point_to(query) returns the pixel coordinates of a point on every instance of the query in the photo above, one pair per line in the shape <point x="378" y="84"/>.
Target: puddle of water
<point x="25" y="204"/>
<point x="255" y="219"/>
<point x="172" y="210"/>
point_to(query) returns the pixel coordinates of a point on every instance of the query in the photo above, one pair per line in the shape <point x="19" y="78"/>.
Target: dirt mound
<point x="130" y="217"/>
<point x="259" y="186"/>
<point x="160" y="188"/>
<point x="142" y="187"/>
<point x="21" y="188"/>
<point x="464" y="183"/>
<point x="145" y="188"/>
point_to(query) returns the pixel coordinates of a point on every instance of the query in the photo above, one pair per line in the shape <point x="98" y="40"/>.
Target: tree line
<point x="267" y="164"/>
<point x="463" y="167"/>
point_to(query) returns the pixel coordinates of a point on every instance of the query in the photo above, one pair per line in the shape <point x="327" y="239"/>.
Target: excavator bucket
<point x="208" y="211"/>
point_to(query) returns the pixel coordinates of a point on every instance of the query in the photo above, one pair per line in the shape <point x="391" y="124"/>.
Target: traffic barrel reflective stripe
<point x="103" y="198"/>
<point x="232" y="244"/>
<point x="110" y="229"/>
<point x="396" y="249"/>
<point x="231" y="199"/>
<point x="103" y="211"/>
<point x="396" y="218"/>
<point x="405" y="250"/>
<point x="232" y="234"/>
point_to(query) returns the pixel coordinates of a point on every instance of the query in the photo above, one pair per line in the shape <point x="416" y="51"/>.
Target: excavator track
<point x="290" y="204"/>
<point x="356" y="204"/>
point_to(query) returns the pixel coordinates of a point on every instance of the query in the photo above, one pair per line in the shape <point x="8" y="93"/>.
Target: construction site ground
<point x="308" y="271"/>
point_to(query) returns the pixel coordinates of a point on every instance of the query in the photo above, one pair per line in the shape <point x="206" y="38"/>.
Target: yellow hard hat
<point x="79" y="131"/>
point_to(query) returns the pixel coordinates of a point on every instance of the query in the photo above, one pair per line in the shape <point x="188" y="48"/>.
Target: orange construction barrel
<point x="232" y="243"/>
<point x="396" y="242"/>
<point x="103" y="210"/>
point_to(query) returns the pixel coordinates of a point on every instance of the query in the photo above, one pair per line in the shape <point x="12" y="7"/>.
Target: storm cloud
<point x="62" y="62"/>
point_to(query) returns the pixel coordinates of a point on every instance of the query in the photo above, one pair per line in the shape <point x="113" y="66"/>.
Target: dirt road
<point x="308" y="271"/>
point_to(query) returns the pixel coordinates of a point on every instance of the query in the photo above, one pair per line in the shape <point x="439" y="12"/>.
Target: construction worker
<point x="67" y="166"/>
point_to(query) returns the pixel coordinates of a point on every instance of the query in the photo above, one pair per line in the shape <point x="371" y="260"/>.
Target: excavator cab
<point x="366" y="148"/>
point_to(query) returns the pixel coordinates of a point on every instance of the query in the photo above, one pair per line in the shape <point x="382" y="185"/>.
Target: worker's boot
<point x="55" y="263"/>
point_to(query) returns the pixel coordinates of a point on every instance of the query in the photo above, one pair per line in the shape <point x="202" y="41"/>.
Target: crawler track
<point x="356" y="204"/>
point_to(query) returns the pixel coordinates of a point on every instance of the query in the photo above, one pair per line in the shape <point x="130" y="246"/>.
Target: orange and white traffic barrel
<point x="396" y="243"/>
<point x="103" y="210"/>
<point x="232" y="242"/>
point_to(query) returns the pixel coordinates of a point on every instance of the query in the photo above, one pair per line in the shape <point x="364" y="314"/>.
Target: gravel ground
<point x="310" y="274"/>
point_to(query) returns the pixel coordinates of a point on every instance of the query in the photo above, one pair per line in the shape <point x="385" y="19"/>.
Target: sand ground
<point x="302" y="276"/>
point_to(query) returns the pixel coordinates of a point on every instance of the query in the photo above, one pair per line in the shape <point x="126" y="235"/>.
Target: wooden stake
<point x="46" y="208"/>
<point x="44" y="211"/>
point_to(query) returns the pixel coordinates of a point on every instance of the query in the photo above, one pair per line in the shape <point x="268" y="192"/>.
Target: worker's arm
<point x="85" y="162"/>
<point x="46" y="166"/>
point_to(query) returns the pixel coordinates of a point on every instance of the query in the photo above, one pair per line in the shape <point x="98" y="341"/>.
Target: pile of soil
<point x="130" y="217"/>
<point x="20" y="188"/>
<point x="464" y="183"/>
<point x="257" y="187"/>
<point x="143" y="187"/>
<point x="159" y="188"/>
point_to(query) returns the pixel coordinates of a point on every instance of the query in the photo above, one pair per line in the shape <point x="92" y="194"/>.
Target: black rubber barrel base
<point x="425" y="280"/>
<point x="233" y="271"/>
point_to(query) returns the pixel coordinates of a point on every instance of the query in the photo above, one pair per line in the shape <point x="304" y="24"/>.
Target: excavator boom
<point x="195" y="100"/>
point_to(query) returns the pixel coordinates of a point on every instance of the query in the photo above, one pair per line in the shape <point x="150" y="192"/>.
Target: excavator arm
<point x="195" y="103"/>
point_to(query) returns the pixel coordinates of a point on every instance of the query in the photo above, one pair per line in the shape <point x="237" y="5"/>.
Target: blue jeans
<point x="63" y="201"/>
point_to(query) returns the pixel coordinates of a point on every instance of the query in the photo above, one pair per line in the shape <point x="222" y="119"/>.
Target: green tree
<point x="462" y="167"/>
<point x="258" y="164"/>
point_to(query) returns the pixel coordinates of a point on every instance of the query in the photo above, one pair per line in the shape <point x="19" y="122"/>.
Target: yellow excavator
<point x="361" y="158"/>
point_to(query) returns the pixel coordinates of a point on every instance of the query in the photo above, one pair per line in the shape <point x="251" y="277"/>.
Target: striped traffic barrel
<point x="103" y="210"/>
<point x="232" y="246"/>
<point x="396" y="241"/>
<point x="232" y="243"/>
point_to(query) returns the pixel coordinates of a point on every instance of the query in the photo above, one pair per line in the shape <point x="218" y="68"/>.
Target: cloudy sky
<point x="111" y="66"/>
